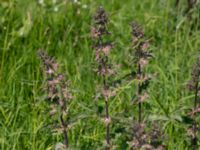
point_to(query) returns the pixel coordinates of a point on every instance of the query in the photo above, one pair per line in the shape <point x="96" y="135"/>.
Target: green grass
<point x="26" y="26"/>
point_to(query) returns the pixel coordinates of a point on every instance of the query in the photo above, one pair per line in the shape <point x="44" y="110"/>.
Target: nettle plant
<point x="103" y="67"/>
<point x="58" y="95"/>
<point x="141" y="58"/>
<point x="193" y="86"/>
<point x="141" y="138"/>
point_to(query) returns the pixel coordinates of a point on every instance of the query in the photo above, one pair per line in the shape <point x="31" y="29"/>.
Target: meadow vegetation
<point x="98" y="74"/>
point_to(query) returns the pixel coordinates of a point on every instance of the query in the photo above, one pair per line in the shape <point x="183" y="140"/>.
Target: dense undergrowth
<point x="62" y="29"/>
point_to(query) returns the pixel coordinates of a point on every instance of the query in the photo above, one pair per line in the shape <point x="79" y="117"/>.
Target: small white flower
<point x="41" y="2"/>
<point x="55" y="9"/>
<point x="84" y="6"/>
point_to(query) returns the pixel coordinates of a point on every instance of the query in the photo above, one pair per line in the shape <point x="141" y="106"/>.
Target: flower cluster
<point x="140" y="45"/>
<point x="57" y="86"/>
<point x="141" y="57"/>
<point x="146" y="140"/>
<point x="102" y="49"/>
<point x="57" y="90"/>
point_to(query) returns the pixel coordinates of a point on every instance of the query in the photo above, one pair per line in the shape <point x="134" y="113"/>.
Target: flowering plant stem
<point x="64" y="125"/>
<point x="194" y="126"/>
<point x="107" y="115"/>
<point x="139" y="74"/>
